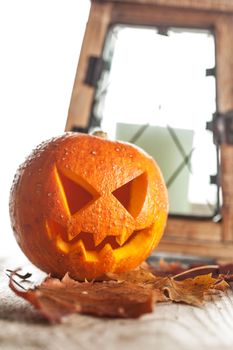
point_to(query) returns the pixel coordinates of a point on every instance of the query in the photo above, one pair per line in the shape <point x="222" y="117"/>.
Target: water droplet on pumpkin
<point x="130" y="156"/>
<point x="117" y="149"/>
<point x="49" y="194"/>
<point x="93" y="152"/>
<point x="39" y="170"/>
<point x="61" y="216"/>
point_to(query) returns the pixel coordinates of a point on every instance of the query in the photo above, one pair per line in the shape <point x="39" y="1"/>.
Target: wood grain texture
<point x="159" y="16"/>
<point x="170" y="326"/>
<point x="224" y="58"/>
<point x="227" y="187"/>
<point x="221" y="250"/>
<point x="193" y="229"/>
<point x="217" y="5"/>
<point x="82" y="94"/>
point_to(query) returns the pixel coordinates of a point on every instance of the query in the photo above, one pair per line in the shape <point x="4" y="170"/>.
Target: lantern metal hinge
<point x="222" y="128"/>
<point x="210" y="72"/>
<point x="163" y="30"/>
<point x="95" y="67"/>
<point x="214" y="179"/>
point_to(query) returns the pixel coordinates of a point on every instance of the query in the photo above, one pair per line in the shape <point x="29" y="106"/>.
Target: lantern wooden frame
<point x="189" y="236"/>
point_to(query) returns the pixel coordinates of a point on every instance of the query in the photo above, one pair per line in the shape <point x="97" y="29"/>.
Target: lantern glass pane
<point x="156" y="94"/>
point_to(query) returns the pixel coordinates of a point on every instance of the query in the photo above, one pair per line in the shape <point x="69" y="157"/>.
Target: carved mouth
<point x="84" y="246"/>
<point x="58" y="234"/>
<point x="89" y="244"/>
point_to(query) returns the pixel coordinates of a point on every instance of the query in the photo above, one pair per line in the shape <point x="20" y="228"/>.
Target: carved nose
<point x="102" y="220"/>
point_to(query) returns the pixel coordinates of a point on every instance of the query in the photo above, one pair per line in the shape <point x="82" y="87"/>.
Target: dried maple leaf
<point x="197" y="271"/>
<point x="125" y="295"/>
<point x="55" y="298"/>
<point x="226" y="270"/>
<point x="145" y="278"/>
<point x="138" y="276"/>
<point x="190" y="291"/>
<point x="170" y="269"/>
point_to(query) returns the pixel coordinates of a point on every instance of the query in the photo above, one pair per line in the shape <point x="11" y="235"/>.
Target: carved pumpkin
<point x="88" y="206"/>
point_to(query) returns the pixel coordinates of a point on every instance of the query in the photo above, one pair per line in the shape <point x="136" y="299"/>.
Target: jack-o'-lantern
<point x="86" y="205"/>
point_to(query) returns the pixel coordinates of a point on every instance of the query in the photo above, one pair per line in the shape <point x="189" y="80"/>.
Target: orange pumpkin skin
<point x="88" y="206"/>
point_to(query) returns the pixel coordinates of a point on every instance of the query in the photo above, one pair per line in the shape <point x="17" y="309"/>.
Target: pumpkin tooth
<point x="80" y="249"/>
<point x="107" y="258"/>
<point x="98" y="239"/>
<point x="61" y="245"/>
<point x="72" y="233"/>
<point x="106" y="249"/>
<point x="107" y="254"/>
<point x="122" y="238"/>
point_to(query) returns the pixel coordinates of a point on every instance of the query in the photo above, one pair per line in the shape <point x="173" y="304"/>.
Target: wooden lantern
<point x="183" y="235"/>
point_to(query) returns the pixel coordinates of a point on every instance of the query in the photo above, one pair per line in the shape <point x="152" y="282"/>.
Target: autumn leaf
<point x="175" y="268"/>
<point x="178" y="288"/>
<point x="192" y="290"/>
<point x="142" y="277"/>
<point x="56" y="299"/>
<point x="139" y="276"/>
<point x="127" y="295"/>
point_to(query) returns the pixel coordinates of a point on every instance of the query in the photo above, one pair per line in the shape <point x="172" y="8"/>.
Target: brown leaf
<point x="139" y="276"/>
<point x="165" y="269"/>
<point x="55" y="298"/>
<point x="181" y="272"/>
<point x="142" y="277"/>
<point x="125" y="295"/>
<point x="226" y="269"/>
<point x="192" y="290"/>
<point x="220" y="284"/>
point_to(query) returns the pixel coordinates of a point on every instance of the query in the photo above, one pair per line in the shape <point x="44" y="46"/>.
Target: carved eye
<point x="76" y="192"/>
<point x="132" y="194"/>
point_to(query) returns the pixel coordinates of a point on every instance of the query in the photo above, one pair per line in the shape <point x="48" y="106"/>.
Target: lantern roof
<point x="214" y="5"/>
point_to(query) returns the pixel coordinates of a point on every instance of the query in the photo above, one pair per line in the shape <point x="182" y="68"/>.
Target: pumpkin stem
<point x="100" y="133"/>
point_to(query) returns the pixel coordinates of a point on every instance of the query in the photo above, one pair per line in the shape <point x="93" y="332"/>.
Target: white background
<point x="40" y="42"/>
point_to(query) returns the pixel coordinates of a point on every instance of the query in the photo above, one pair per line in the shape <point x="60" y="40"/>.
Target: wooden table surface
<point x="170" y="326"/>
